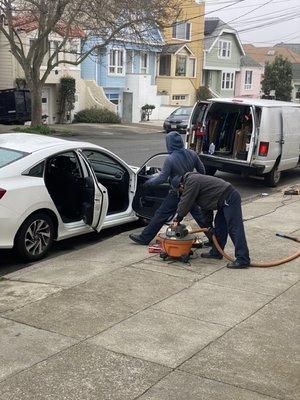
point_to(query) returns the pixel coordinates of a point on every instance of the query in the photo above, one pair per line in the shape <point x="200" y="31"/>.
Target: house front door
<point x="46" y="104"/>
<point x="127" y="107"/>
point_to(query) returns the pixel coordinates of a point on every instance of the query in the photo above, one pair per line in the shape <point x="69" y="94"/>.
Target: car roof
<point x="30" y="143"/>
<point x="255" y="102"/>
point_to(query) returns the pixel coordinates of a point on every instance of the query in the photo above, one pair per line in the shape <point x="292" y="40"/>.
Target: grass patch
<point x="39" y="129"/>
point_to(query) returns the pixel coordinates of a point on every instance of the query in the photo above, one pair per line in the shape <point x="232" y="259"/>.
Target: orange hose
<point x="268" y="264"/>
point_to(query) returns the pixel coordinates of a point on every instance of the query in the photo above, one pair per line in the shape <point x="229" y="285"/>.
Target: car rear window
<point x="8" y="156"/>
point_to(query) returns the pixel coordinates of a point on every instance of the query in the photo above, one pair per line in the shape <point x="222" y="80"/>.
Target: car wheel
<point x="272" y="178"/>
<point x="35" y="237"/>
<point x="210" y="171"/>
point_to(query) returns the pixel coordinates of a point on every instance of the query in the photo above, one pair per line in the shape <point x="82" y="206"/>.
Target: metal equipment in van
<point x="246" y="136"/>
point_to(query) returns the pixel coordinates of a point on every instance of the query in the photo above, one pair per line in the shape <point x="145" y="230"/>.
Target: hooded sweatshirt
<point x="179" y="162"/>
<point x="208" y="192"/>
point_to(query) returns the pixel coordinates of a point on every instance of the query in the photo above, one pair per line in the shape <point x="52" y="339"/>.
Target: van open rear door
<point x="195" y="125"/>
<point x="290" y="139"/>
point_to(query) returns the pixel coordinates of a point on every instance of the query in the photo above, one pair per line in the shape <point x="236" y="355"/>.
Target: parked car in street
<point x="178" y="120"/>
<point x="246" y="136"/>
<point x="53" y="189"/>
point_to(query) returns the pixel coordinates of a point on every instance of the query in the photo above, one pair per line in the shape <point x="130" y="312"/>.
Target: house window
<point x="116" y="62"/>
<point x="181" y="64"/>
<point x="129" y="61"/>
<point x="181" y="30"/>
<point x="54" y="50"/>
<point x="144" y="63"/>
<point x="192" y="67"/>
<point x="227" y="80"/>
<point x="248" y="80"/>
<point x="165" y="64"/>
<point x="224" y="49"/>
<point x="179" y="97"/>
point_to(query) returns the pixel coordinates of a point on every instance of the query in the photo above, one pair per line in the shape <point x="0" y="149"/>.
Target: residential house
<point x="126" y="71"/>
<point x="11" y="69"/>
<point x="268" y="54"/>
<point x="222" y="57"/>
<point x="180" y="62"/>
<point x="248" y="79"/>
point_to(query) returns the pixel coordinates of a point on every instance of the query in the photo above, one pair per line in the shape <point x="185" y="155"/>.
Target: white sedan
<point x="53" y="189"/>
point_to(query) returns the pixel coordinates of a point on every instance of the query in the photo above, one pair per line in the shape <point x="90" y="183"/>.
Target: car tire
<point x="35" y="237"/>
<point x="272" y="178"/>
<point x="210" y="171"/>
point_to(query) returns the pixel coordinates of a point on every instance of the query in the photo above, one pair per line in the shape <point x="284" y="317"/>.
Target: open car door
<point x="95" y="199"/>
<point x="148" y="199"/>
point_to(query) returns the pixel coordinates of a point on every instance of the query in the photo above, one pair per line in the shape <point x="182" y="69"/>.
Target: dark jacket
<point x="204" y="190"/>
<point x="179" y="162"/>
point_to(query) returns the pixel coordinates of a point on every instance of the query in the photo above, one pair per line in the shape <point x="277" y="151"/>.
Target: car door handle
<point x="118" y="175"/>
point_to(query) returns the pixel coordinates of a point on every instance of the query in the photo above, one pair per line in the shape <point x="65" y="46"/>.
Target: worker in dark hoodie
<point x="179" y="162"/>
<point x="212" y="193"/>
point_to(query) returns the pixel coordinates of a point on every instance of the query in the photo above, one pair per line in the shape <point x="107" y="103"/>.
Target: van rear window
<point x="8" y="156"/>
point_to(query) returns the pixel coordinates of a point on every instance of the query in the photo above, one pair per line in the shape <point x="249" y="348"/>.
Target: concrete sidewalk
<point x="111" y="321"/>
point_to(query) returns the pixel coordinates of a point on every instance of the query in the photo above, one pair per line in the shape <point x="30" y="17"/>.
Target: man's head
<point x="177" y="183"/>
<point x="174" y="141"/>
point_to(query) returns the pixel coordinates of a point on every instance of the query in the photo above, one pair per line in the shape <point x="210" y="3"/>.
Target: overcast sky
<point x="241" y="15"/>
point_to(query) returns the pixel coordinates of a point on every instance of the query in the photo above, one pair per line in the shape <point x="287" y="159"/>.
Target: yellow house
<point x="179" y="71"/>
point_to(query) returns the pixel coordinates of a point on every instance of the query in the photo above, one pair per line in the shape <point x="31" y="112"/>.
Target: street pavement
<point x="109" y="321"/>
<point x="135" y="143"/>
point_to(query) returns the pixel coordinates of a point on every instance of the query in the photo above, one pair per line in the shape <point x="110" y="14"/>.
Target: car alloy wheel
<point x="37" y="237"/>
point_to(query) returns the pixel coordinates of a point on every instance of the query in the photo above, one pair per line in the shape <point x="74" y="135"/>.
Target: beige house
<point x="88" y="93"/>
<point x="179" y="71"/>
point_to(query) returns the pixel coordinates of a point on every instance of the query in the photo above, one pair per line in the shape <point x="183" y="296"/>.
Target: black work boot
<point x="236" y="265"/>
<point x="138" y="239"/>
<point x="212" y="256"/>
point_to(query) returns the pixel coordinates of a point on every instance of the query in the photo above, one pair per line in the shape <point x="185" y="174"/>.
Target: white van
<point x="246" y="136"/>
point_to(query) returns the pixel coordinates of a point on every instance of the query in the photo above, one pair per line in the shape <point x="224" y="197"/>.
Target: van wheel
<point x="35" y="237"/>
<point x="210" y="170"/>
<point x="272" y="178"/>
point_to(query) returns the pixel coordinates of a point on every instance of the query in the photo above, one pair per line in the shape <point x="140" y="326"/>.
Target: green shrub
<point x="39" y="129"/>
<point x="97" y="116"/>
<point x="203" y="93"/>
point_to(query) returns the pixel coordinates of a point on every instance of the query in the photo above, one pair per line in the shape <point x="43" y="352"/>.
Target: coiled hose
<point x="268" y="264"/>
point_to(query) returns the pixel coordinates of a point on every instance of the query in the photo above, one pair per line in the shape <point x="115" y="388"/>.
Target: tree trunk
<point x="36" y="105"/>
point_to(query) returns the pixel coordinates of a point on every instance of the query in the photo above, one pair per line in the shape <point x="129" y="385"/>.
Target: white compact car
<point x="52" y="189"/>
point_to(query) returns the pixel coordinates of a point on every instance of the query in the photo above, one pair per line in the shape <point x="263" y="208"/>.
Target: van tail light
<point x="263" y="149"/>
<point x="2" y="192"/>
<point x="200" y="130"/>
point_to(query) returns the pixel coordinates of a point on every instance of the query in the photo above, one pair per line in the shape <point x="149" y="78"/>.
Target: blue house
<point x="126" y="71"/>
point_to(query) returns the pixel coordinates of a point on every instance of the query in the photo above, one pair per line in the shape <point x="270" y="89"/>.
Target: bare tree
<point x="98" y="22"/>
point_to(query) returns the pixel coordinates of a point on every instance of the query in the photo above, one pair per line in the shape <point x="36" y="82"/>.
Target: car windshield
<point x="182" y="111"/>
<point x="8" y="156"/>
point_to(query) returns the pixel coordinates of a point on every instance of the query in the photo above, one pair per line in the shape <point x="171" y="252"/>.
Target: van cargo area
<point x="254" y="137"/>
<point x="228" y="131"/>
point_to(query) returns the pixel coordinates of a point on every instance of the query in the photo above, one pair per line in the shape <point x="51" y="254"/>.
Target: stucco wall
<point x="254" y="92"/>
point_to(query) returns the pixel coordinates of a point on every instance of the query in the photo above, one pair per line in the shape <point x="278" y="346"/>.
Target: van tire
<point x="272" y="178"/>
<point x="210" y="171"/>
